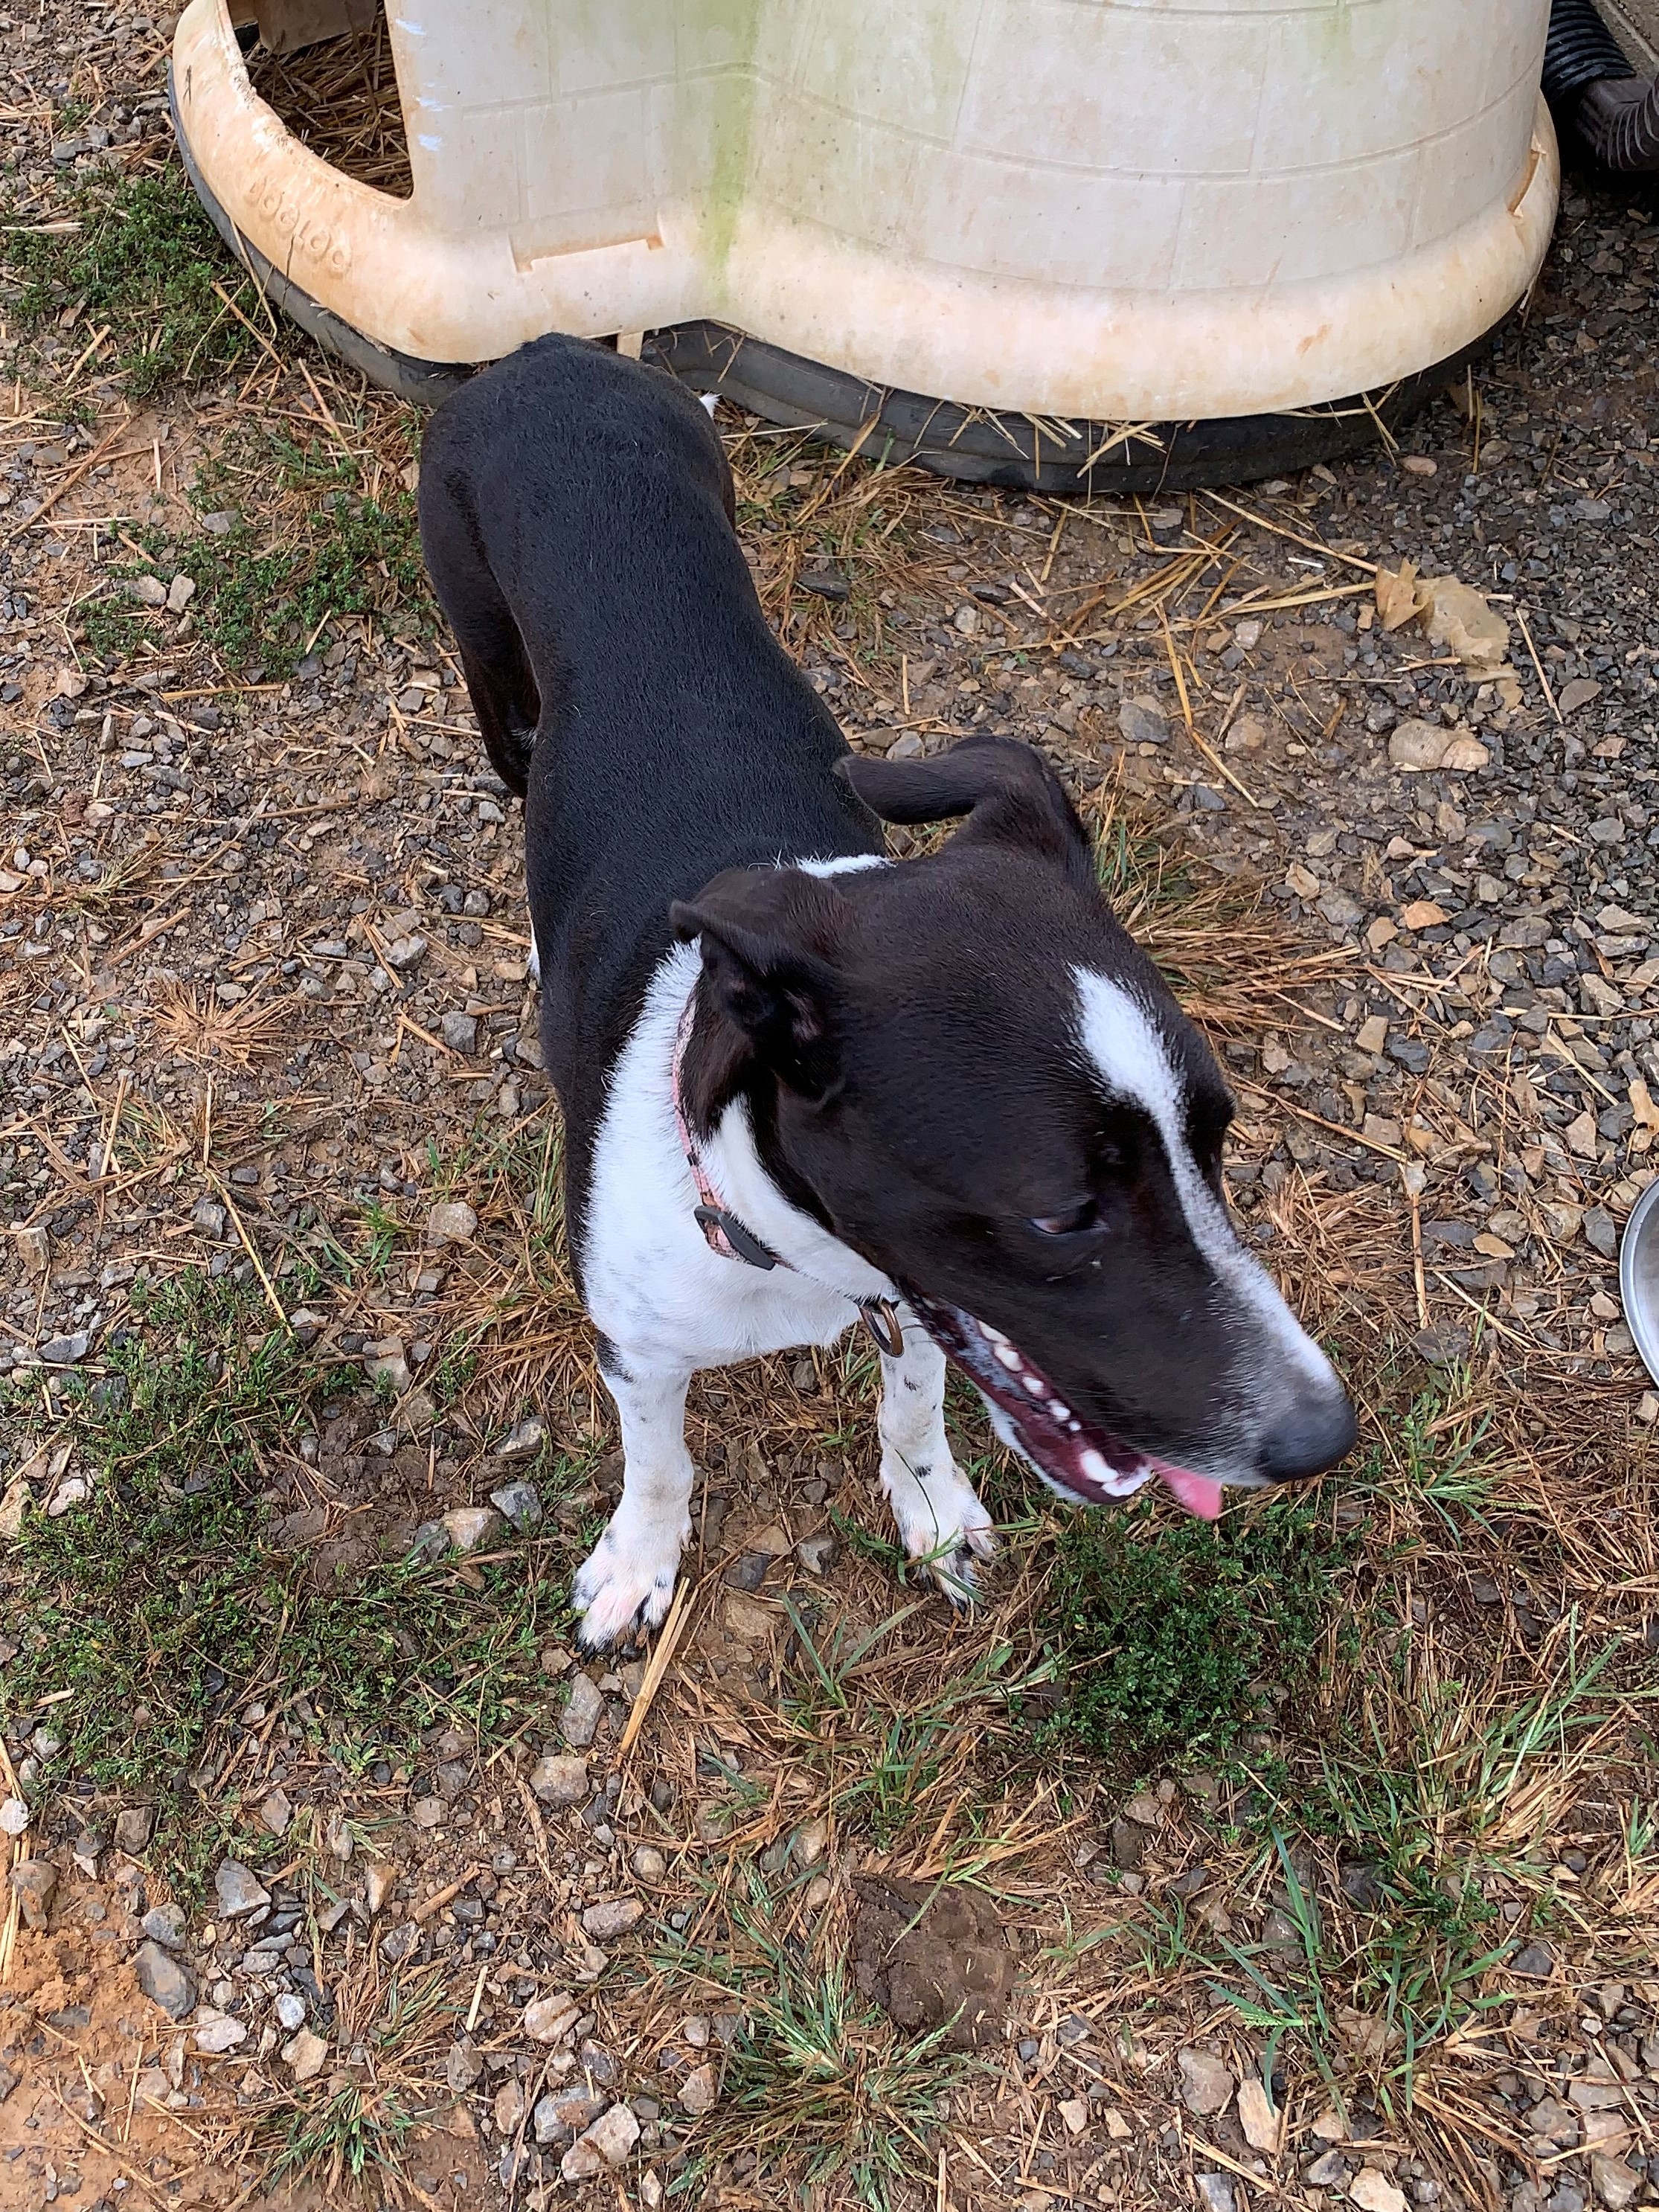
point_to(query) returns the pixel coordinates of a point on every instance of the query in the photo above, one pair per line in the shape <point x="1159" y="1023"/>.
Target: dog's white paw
<point x="627" y="1581"/>
<point x="941" y="1522"/>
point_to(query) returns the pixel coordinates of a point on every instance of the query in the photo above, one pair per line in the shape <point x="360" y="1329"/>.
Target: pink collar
<point x="724" y="1234"/>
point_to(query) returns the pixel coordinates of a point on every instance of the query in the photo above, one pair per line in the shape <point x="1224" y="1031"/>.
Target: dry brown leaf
<point x="1397" y="601"/>
<point x="1460" y="618"/>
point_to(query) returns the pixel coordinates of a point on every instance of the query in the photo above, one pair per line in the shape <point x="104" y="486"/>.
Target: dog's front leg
<point x="938" y="1511"/>
<point x="627" y="1579"/>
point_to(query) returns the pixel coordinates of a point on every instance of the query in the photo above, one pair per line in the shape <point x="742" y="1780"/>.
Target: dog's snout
<point x="1311" y="1436"/>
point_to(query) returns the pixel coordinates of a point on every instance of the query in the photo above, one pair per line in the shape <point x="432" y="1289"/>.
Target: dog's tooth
<point x="1005" y="1354"/>
<point x="991" y="1335"/>
<point x="1062" y="1413"/>
<point x="1034" y="1383"/>
<point x="1092" y="1465"/>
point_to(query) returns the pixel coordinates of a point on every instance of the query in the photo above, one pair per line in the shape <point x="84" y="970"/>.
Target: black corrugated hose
<point x="1613" y="112"/>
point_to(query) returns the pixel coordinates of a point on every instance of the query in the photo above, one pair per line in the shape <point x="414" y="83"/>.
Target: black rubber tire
<point x="973" y="444"/>
<point x="979" y="447"/>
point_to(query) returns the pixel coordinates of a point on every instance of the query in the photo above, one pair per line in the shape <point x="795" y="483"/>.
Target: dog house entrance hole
<point x="326" y="66"/>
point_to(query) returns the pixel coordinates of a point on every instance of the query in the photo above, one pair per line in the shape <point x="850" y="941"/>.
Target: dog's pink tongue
<point x="1197" y="1493"/>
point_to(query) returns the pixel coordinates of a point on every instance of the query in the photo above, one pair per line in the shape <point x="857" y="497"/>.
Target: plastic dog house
<point x="1021" y="231"/>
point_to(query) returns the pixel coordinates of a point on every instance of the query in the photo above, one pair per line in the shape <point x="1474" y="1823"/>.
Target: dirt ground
<point x="796" y="1906"/>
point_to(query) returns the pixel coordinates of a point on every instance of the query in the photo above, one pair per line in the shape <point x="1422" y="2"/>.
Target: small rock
<point x="459" y="1031"/>
<point x="379" y="1879"/>
<point x="217" y="2032"/>
<point x="34" y="1883"/>
<point x="1207" y="2084"/>
<point x="807" y="1845"/>
<point x="453" y="1222"/>
<point x="462" y="2068"/>
<point x="560" y="1778"/>
<point x="1417" y="746"/>
<point x="238" y="1889"/>
<point x="509" y="2107"/>
<point x="1615" y="2184"/>
<point x="613" y="2134"/>
<point x="33" y="1248"/>
<point x="698" y="2092"/>
<point x="404" y="952"/>
<point x="828" y="584"/>
<point x="426" y="1812"/>
<point x="1580" y="691"/>
<point x="1256" y="2116"/>
<point x="1216" y="2192"/>
<point x="165" y="1924"/>
<point x="290" y="2010"/>
<point x="467" y="1527"/>
<point x="521" y="1502"/>
<point x="1074" y="2112"/>
<point x="1371" y="2189"/>
<point x="65" y="1350"/>
<point x="565" y="2112"/>
<point x="14" y="1816"/>
<point x="1142" y="722"/>
<point x="13" y="1504"/>
<point x="580" y="1721"/>
<point x="148" y="591"/>
<point x="134" y="1826"/>
<point x="1330" y="2171"/>
<point x="164" y="1980"/>
<point x="1534" y="1962"/>
<point x="525" y="1441"/>
<point x="551" y="2018"/>
<point x="386" y="1361"/>
<point x="180" y="592"/>
<point x="305" y="2055"/>
<point x="611" y="1918"/>
<point x="649" y="1864"/>
<point x="1602" y="1232"/>
<point x="275" y="1814"/>
<point x="817" y="1554"/>
<point x="1465" y="755"/>
<point x="73" y="1490"/>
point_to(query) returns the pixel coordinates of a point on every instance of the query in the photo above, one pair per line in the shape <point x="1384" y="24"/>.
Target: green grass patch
<point x="338" y="542"/>
<point x="815" y="2086"/>
<point x="1170" y="1635"/>
<point x="142" y="258"/>
<point x="160" y="1605"/>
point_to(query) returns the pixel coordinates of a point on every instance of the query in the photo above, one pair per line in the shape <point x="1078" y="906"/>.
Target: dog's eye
<point x="1073" y="1224"/>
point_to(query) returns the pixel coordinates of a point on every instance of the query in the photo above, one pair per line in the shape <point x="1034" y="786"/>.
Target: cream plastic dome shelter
<point x="1067" y="241"/>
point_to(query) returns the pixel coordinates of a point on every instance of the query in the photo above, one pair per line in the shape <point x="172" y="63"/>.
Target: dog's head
<point x="966" y="1069"/>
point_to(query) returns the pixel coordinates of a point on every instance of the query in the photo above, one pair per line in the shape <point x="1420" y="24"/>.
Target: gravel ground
<point x="266" y="943"/>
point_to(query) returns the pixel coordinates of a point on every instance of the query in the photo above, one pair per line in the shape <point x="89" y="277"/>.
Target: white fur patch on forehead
<point x="1129" y="1054"/>
<point x="1122" y="1037"/>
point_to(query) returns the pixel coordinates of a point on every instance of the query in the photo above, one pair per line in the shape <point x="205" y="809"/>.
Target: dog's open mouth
<point x="1071" y="1453"/>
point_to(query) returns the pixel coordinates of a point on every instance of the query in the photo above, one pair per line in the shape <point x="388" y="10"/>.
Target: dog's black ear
<point x="1006" y="789"/>
<point x="764" y="932"/>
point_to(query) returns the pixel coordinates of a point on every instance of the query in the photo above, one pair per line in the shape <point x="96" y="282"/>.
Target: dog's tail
<point x="500" y="679"/>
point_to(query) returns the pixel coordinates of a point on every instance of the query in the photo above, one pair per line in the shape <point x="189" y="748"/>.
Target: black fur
<point x="576" y="518"/>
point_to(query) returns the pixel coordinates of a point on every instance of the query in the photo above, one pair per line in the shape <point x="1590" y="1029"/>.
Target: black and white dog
<point x="801" y="1083"/>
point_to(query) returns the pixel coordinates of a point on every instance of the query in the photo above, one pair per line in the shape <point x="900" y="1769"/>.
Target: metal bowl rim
<point x="1642" y="1325"/>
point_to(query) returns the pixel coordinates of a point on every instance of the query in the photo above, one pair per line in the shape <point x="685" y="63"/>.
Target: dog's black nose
<point x="1312" y="1436"/>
